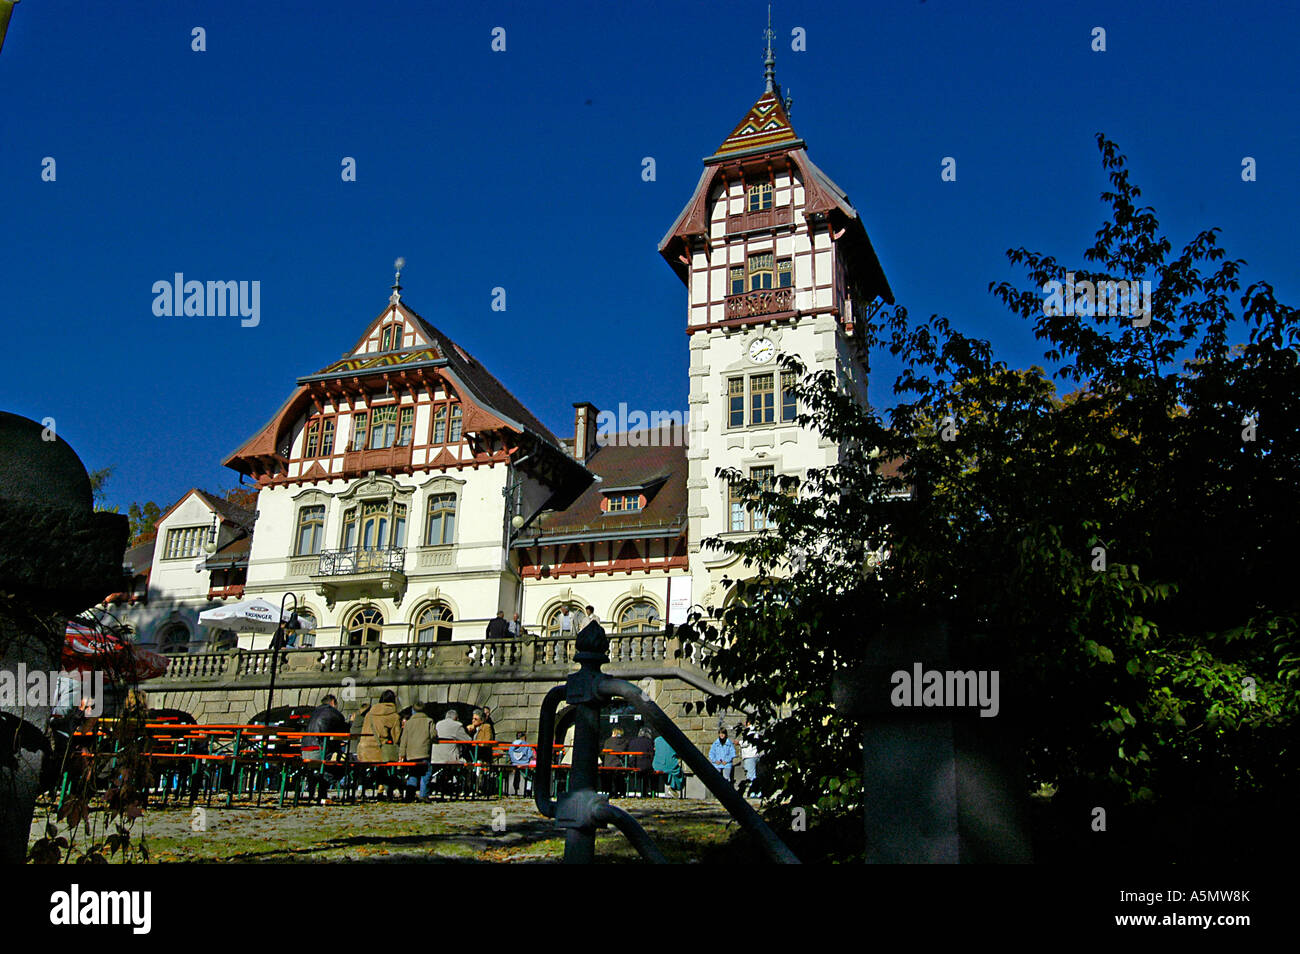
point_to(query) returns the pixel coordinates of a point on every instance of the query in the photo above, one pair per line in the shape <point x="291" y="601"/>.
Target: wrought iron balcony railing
<point x="361" y="560"/>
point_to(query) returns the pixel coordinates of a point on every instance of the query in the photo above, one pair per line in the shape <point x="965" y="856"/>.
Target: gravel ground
<point x="501" y="830"/>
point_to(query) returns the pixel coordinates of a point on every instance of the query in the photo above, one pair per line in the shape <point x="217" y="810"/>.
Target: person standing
<point x="566" y="623"/>
<point x="749" y="756"/>
<point x="416" y="746"/>
<point x="722" y="753"/>
<point x="516" y="628"/>
<point x="497" y="627"/>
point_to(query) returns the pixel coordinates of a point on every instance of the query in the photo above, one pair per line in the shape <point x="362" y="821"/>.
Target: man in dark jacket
<point x="643" y="761"/>
<point x="324" y="718"/>
<point x="497" y="627"/>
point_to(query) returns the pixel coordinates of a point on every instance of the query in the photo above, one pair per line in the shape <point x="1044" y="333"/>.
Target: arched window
<point x="554" y="625"/>
<point x="311" y="528"/>
<point x="175" y="639"/>
<point x="365" y="626"/>
<point x="640" y="616"/>
<point x="306" y="637"/>
<point x="381" y="525"/>
<point x="433" y="625"/>
<point x="440" y="528"/>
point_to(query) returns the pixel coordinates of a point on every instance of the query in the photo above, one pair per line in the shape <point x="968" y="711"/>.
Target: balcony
<point x="382" y="459"/>
<point x="359" y="571"/>
<point x="759" y="219"/>
<point x="231" y="591"/>
<point x="764" y="301"/>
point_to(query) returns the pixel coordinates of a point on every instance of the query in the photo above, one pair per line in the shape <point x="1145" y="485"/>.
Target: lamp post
<point x="277" y="641"/>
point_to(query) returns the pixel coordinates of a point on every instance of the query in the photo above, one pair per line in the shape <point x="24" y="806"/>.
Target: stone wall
<point x="515" y="704"/>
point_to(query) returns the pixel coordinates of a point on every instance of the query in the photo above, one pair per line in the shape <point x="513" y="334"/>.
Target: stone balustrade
<point x="534" y="659"/>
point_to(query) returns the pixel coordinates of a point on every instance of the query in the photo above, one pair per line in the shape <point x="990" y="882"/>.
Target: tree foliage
<point x="1127" y="546"/>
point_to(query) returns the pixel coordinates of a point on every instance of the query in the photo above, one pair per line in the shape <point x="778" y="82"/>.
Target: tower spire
<point x="397" y="282"/>
<point x="769" y="60"/>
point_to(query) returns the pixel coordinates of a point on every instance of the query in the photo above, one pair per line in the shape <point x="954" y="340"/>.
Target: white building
<point x="406" y="496"/>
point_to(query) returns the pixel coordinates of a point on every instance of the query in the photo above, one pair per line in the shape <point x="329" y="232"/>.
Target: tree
<point x="1125" y="550"/>
<point x="144" y="521"/>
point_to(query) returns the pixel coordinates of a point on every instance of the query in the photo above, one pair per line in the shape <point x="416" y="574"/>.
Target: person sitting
<point x="380" y="733"/>
<point x="324" y="718"/>
<point x="641" y="757"/>
<point x="522" y="757"/>
<point x="612" y="758"/>
<point x="445" y="757"/>
<point x="668" y="762"/>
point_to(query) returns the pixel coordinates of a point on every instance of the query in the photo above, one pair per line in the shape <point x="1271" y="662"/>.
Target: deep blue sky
<point x="522" y="170"/>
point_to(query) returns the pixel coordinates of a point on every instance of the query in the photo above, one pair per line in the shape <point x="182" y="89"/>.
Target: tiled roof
<point x="240" y="517"/>
<point x="620" y="465"/>
<point x="482" y="383"/>
<point x="766" y="126"/>
<point x="139" y="557"/>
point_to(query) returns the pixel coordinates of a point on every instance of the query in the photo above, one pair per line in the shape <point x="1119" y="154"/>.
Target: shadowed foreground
<point x="458" y="832"/>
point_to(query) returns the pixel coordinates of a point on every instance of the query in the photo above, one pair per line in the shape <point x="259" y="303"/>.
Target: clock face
<point x="761" y="350"/>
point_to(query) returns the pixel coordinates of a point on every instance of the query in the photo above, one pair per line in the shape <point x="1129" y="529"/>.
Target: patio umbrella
<point x="259" y="616"/>
<point x="249" y="616"/>
<point x="87" y="649"/>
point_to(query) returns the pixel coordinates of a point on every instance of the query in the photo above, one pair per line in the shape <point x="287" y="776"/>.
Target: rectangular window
<point x="765" y="476"/>
<point x="735" y="402"/>
<point x="350" y="529"/>
<point x="388" y="339"/>
<point x="359" y="431"/>
<point x="624" y="503"/>
<point x="313" y="436"/>
<point x="789" y="403"/>
<point x="760" y="271"/>
<point x="760" y="197"/>
<point x="441" y="525"/>
<point x="383" y="427"/>
<point x="311" y="526"/>
<point x="185" y="542"/>
<point x="737" y="280"/>
<point x="784" y="273"/>
<point x="327" y="437"/>
<point x="440" y="425"/>
<point x="761" y="399"/>
<point x="735" y="509"/>
<point x="454" y="434"/>
<point x="405" y="427"/>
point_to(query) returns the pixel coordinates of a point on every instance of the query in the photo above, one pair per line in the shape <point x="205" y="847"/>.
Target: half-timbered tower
<point x="775" y="259"/>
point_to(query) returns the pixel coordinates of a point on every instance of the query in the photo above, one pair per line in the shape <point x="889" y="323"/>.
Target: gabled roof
<point x="497" y="406"/>
<point x="228" y="512"/>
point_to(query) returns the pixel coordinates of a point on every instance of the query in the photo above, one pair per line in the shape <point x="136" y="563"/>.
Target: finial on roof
<point x="396" y="296"/>
<point x="769" y="60"/>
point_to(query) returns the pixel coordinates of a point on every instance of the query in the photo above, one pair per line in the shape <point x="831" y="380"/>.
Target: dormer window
<point x="760" y="197"/>
<point x="623" y="503"/>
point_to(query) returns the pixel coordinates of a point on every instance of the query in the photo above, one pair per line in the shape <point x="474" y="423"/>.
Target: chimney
<point x="584" y="430"/>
